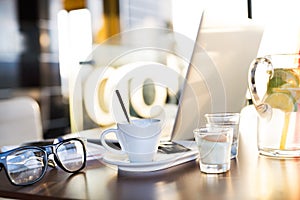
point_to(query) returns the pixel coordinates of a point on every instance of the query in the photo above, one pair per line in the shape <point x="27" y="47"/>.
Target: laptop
<point x="216" y="79"/>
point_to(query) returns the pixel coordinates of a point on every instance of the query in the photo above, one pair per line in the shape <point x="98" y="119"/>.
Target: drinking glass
<point x="226" y="119"/>
<point x="214" y="145"/>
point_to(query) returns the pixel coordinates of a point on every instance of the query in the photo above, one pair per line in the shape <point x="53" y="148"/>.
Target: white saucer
<point x="161" y="161"/>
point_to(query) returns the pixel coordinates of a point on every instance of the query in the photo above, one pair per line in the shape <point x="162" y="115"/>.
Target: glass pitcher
<point x="274" y="84"/>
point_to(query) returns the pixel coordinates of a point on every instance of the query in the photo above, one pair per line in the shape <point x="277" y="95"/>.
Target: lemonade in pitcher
<point x="283" y="129"/>
<point x="279" y="121"/>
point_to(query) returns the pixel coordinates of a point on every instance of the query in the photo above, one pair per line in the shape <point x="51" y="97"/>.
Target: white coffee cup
<point x="139" y="139"/>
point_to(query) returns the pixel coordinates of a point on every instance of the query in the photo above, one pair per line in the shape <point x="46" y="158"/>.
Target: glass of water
<point x="226" y="119"/>
<point x="214" y="145"/>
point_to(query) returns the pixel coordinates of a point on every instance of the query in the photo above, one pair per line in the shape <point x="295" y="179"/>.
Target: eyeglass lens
<point x="71" y="155"/>
<point x="25" y="166"/>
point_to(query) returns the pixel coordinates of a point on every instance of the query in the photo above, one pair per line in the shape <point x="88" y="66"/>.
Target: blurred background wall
<point x="29" y="49"/>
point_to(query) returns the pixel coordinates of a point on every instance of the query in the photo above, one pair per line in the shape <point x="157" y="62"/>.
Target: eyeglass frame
<point x="47" y="150"/>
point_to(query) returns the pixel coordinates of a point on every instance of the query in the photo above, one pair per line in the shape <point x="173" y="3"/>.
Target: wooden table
<point x="251" y="177"/>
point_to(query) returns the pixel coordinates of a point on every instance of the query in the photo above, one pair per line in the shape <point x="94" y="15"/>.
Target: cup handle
<point x="105" y="145"/>
<point x="264" y="109"/>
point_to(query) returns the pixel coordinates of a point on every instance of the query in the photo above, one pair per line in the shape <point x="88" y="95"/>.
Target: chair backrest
<point x="20" y="121"/>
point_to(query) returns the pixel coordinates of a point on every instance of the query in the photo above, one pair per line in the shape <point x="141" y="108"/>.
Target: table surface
<point x="252" y="176"/>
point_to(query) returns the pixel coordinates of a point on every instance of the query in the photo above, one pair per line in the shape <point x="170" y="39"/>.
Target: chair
<point x="20" y="121"/>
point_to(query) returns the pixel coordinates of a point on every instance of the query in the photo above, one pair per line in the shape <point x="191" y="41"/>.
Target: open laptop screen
<point x="217" y="76"/>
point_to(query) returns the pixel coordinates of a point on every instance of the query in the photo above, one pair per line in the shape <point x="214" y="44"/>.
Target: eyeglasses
<point x="27" y="165"/>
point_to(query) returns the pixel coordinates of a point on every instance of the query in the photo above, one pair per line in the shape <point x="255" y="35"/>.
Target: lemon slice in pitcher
<point x="287" y="75"/>
<point x="282" y="77"/>
<point x="282" y="101"/>
<point x="289" y="89"/>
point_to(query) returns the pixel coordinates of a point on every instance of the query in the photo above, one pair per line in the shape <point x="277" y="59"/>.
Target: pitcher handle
<point x="264" y="109"/>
